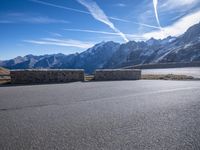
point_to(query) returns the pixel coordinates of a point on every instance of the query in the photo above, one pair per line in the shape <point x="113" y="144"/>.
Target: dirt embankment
<point x="165" y="65"/>
<point x="167" y="77"/>
<point x="4" y="71"/>
<point x="4" y="75"/>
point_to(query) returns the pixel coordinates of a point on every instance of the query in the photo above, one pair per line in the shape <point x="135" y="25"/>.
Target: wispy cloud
<point x="177" y="17"/>
<point x="131" y="36"/>
<point x="176" y="4"/>
<point x="59" y="6"/>
<point x="140" y="24"/>
<point x="30" y="18"/>
<point x="88" y="13"/>
<point x="42" y="20"/>
<point x="61" y="42"/>
<point x="92" y="31"/>
<point x="120" y="5"/>
<point x="146" y="25"/>
<point x="6" y="21"/>
<point x="99" y="15"/>
<point x="177" y="28"/>
<point x="55" y="34"/>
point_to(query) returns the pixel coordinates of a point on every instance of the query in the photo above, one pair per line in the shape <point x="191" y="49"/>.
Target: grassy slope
<point x="166" y="77"/>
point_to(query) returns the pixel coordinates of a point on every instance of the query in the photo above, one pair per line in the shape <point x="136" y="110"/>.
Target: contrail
<point x="99" y="15"/>
<point x="128" y="21"/>
<point x="88" y="13"/>
<point x="155" y="4"/>
<point x="103" y="32"/>
<point x="59" y="6"/>
<point x="61" y="42"/>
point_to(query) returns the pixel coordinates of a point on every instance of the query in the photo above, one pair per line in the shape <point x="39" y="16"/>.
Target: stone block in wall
<point x="117" y="74"/>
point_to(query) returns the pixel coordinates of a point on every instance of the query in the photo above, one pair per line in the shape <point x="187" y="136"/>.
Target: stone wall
<point x="46" y="76"/>
<point x="117" y="74"/>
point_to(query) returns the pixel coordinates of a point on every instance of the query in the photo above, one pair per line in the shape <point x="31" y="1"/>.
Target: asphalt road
<point x="132" y="115"/>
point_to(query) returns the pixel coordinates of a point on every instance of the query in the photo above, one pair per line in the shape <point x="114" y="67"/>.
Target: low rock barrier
<point x="117" y="74"/>
<point x="34" y="76"/>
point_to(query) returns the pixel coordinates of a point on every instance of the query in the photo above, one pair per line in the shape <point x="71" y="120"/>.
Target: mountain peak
<point x="193" y="33"/>
<point x="152" y="41"/>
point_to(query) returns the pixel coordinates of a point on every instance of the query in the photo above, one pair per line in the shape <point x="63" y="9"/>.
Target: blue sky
<point x="68" y="26"/>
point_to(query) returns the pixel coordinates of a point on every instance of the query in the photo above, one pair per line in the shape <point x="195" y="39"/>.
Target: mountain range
<point x="184" y="48"/>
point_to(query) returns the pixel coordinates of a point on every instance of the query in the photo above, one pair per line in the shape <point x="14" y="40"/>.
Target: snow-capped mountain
<point x="93" y="58"/>
<point x="185" y="48"/>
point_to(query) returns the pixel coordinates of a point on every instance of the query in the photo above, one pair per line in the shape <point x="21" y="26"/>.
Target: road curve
<point x="150" y="115"/>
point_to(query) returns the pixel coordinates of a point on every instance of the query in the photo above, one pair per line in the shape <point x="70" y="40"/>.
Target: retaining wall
<point x="46" y="76"/>
<point x="117" y="74"/>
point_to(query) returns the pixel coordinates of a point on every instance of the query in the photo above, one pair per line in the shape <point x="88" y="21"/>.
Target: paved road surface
<point x="150" y="115"/>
